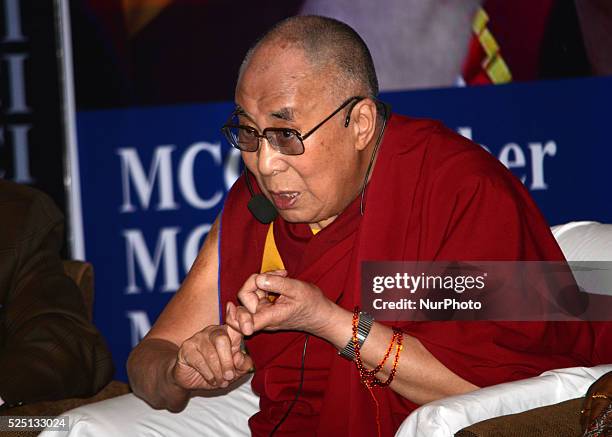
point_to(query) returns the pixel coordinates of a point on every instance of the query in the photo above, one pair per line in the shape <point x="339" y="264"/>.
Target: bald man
<point x="321" y="194"/>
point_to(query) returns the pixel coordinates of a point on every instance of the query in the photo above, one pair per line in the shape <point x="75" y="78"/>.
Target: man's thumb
<point x="243" y="362"/>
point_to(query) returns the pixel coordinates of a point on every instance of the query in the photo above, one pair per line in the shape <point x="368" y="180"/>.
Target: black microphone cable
<point x="299" y="390"/>
<point x="387" y="109"/>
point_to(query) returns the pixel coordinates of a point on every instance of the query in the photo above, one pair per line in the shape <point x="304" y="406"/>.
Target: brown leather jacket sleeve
<point x="49" y="348"/>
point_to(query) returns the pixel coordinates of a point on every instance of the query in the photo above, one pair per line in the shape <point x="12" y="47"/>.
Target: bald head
<point x="327" y="44"/>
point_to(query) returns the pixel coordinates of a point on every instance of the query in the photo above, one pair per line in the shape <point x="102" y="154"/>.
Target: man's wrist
<point x="325" y="319"/>
<point x="176" y="397"/>
<point x="337" y="329"/>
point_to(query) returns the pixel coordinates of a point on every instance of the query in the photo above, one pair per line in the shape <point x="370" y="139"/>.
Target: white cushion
<point x="220" y="416"/>
<point x="584" y="241"/>
<point x="443" y="418"/>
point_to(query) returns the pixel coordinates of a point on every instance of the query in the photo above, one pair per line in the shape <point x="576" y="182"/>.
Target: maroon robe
<point x="433" y="195"/>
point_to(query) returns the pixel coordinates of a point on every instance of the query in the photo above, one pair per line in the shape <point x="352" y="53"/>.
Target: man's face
<point x="278" y="88"/>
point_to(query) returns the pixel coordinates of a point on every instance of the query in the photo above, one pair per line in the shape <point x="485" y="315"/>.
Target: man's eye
<point x="287" y="134"/>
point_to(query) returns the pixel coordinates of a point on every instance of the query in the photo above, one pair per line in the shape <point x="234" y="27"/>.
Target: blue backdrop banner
<point x="154" y="179"/>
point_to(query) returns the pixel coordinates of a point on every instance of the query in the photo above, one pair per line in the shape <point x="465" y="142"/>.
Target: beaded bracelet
<point x="400" y="347"/>
<point x="368" y="377"/>
<point x="357" y="348"/>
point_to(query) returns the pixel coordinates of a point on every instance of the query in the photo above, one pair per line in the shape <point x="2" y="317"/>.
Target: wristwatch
<point x="363" y="329"/>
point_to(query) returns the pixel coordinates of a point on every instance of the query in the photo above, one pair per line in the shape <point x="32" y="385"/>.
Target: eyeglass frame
<point x="299" y="136"/>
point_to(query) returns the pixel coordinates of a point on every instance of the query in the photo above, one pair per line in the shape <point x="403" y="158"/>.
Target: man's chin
<point x="295" y="216"/>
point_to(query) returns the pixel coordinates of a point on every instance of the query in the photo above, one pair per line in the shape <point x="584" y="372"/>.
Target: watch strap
<point x="363" y="330"/>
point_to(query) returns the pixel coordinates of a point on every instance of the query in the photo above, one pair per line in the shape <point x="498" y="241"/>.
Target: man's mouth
<point x="284" y="199"/>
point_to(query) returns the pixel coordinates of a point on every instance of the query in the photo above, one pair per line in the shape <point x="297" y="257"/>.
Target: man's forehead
<point x="287" y="113"/>
<point x="286" y="101"/>
<point x="276" y="82"/>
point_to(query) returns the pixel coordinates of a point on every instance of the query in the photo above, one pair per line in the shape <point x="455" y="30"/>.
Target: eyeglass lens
<point x="247" y="139"/>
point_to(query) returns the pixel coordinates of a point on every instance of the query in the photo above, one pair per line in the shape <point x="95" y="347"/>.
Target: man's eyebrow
<point x="286" y="114"/>
<point x="240" y="111"/>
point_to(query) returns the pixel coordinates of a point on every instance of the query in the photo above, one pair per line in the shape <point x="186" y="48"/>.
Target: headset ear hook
<point x="347" y="121"/>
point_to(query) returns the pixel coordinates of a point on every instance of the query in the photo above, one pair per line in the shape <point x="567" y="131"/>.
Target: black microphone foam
<point x="262" y="209"/>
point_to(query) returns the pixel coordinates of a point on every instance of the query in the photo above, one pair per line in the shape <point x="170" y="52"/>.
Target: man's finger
<point x="230" y="316"/>
<point x="272" y="296"/>
<point x="277" y="284"/>
<point x="212" y="354"/>
<point x="280" y="272"/>
<point x="223" y="346"/>
<point x="247" y="295"/>
<point x="235" y="337"/>
<point x="243" y="363"/>
<point x="239" y="319"/>
<point x="266" y="316"/>
<point x="245" y="321"/>
<point x="194" y="359"/>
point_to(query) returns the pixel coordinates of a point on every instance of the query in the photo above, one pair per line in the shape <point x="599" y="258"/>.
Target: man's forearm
<point x="150" y="372"/>
<point x="420" y="377"/>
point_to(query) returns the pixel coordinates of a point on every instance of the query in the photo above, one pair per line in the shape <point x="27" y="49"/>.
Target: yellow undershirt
<point x="271" y="259"/>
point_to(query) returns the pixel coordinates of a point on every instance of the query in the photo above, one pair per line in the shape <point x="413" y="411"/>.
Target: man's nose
<point x="269" y="160"/>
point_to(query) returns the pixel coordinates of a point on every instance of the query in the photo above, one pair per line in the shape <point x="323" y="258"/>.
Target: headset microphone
<point x="259" y="205"/>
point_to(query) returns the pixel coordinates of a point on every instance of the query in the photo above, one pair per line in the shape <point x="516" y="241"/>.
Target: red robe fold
<point x="433" y="195"/>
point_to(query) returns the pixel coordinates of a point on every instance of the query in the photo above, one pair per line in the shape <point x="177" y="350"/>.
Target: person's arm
<point x="187" y="350"/>
<point x="50" y="349"/>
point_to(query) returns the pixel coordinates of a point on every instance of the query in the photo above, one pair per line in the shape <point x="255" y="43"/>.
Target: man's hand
<point x="597" y="399"/>
<point x="300" y="306"/>
<point x="211" y="359"/>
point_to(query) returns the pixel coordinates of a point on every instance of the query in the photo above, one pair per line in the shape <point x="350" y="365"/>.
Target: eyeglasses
<point x="287" y="141"/>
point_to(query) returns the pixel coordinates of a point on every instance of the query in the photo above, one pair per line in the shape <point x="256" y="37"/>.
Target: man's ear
<point x="363" y="122"/>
